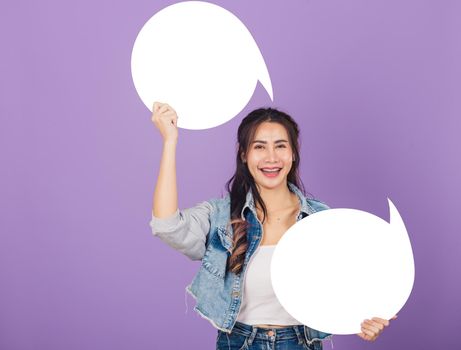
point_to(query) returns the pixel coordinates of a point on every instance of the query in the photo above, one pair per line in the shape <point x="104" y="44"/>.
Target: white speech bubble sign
<point x="338" y="267"/>
<point x="200" y="59"/>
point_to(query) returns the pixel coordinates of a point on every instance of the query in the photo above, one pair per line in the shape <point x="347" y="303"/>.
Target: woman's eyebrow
<point x="261" y="141"/>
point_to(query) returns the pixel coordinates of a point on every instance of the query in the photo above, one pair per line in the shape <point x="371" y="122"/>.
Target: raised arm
<point x="184" y="230"/>
<point x="165" y="201"/>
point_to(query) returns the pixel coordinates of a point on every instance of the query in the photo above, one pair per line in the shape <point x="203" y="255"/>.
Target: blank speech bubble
<point x="338" y="267"/>
<point x="199" y="58"/>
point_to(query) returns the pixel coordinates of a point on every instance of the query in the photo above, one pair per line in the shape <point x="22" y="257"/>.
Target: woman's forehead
<point x="270" y="131"/>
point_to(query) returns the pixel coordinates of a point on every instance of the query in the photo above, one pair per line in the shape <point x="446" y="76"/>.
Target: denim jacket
<point x="218" y="293"/>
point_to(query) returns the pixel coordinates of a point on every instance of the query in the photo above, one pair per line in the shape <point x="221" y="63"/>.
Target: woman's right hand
<point x="165" y="119"/>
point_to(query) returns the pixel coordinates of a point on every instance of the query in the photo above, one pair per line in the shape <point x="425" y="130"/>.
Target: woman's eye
<point x="258" y="146"/>
<point x="281" y="146"/>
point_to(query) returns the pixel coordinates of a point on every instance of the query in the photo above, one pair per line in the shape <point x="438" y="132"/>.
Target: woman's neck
<point x="277" y="198"/>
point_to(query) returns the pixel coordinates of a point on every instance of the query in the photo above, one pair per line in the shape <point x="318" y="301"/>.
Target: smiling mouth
<point x="270" y="172"/>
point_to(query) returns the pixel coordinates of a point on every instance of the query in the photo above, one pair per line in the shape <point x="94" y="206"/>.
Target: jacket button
<point x="235" y="294"/>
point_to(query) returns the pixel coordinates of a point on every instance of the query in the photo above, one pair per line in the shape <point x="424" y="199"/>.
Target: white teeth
<point x="270" y="171"/>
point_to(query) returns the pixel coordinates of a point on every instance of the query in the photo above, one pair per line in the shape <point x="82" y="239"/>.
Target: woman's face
<point x="270" y="156"/>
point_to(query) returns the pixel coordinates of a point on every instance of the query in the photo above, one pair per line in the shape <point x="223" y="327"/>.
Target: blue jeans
<point x="246" y="337"/>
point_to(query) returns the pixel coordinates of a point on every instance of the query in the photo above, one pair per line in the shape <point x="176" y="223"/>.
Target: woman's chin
<point x="271" y="184"/>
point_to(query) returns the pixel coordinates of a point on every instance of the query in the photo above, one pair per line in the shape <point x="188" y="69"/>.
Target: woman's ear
<point x="242" y="157"/>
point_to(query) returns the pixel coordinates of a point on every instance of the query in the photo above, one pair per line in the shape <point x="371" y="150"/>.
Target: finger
<point x="156" y="106"/>
<point x="169" y="115"/>
<point x="168" y="107"/>
<point x="364" y="336"/>
<point x="361" y="335"/>
<point x="375" y="324"/>
<point x="163" y="108"/>
<point x="381" y="321"/>
<point x="368" y="332"/>
<point x="371" y="327"/>
<point x="393" y="318"/>
<point x="172" y="109"/>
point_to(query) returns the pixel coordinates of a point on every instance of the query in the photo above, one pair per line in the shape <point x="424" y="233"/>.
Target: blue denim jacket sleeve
<point x="185" y="230"/>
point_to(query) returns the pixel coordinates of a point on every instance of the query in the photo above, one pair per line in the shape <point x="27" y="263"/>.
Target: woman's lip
<point x="271" y="174"/>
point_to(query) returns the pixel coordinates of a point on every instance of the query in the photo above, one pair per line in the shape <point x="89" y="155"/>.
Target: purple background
<point x="374" y="85"/>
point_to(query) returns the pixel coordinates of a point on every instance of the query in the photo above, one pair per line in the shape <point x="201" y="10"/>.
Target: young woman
<point x="235" y="236"/>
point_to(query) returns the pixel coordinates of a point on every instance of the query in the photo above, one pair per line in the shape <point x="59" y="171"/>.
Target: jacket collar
<point x="305" y="207"/>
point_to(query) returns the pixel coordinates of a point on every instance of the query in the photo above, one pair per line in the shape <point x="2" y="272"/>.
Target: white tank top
<point x="259" y="304"/>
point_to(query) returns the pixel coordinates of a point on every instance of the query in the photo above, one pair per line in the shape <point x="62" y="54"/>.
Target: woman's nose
<point x="271" y="155"/>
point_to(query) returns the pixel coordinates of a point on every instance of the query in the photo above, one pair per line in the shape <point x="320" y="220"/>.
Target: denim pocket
<point x="315" y="345"/>
<point x="233" y="341"/>
<point x="216" y="255"/>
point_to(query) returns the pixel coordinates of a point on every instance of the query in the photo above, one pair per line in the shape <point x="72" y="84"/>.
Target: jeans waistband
<point x="288" y="332"/>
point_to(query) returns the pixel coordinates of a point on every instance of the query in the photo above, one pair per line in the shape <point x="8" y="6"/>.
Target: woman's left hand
<point x="371" y="329"/>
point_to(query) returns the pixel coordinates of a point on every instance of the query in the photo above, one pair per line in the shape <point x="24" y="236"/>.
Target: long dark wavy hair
<point x="242" y="181"/>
